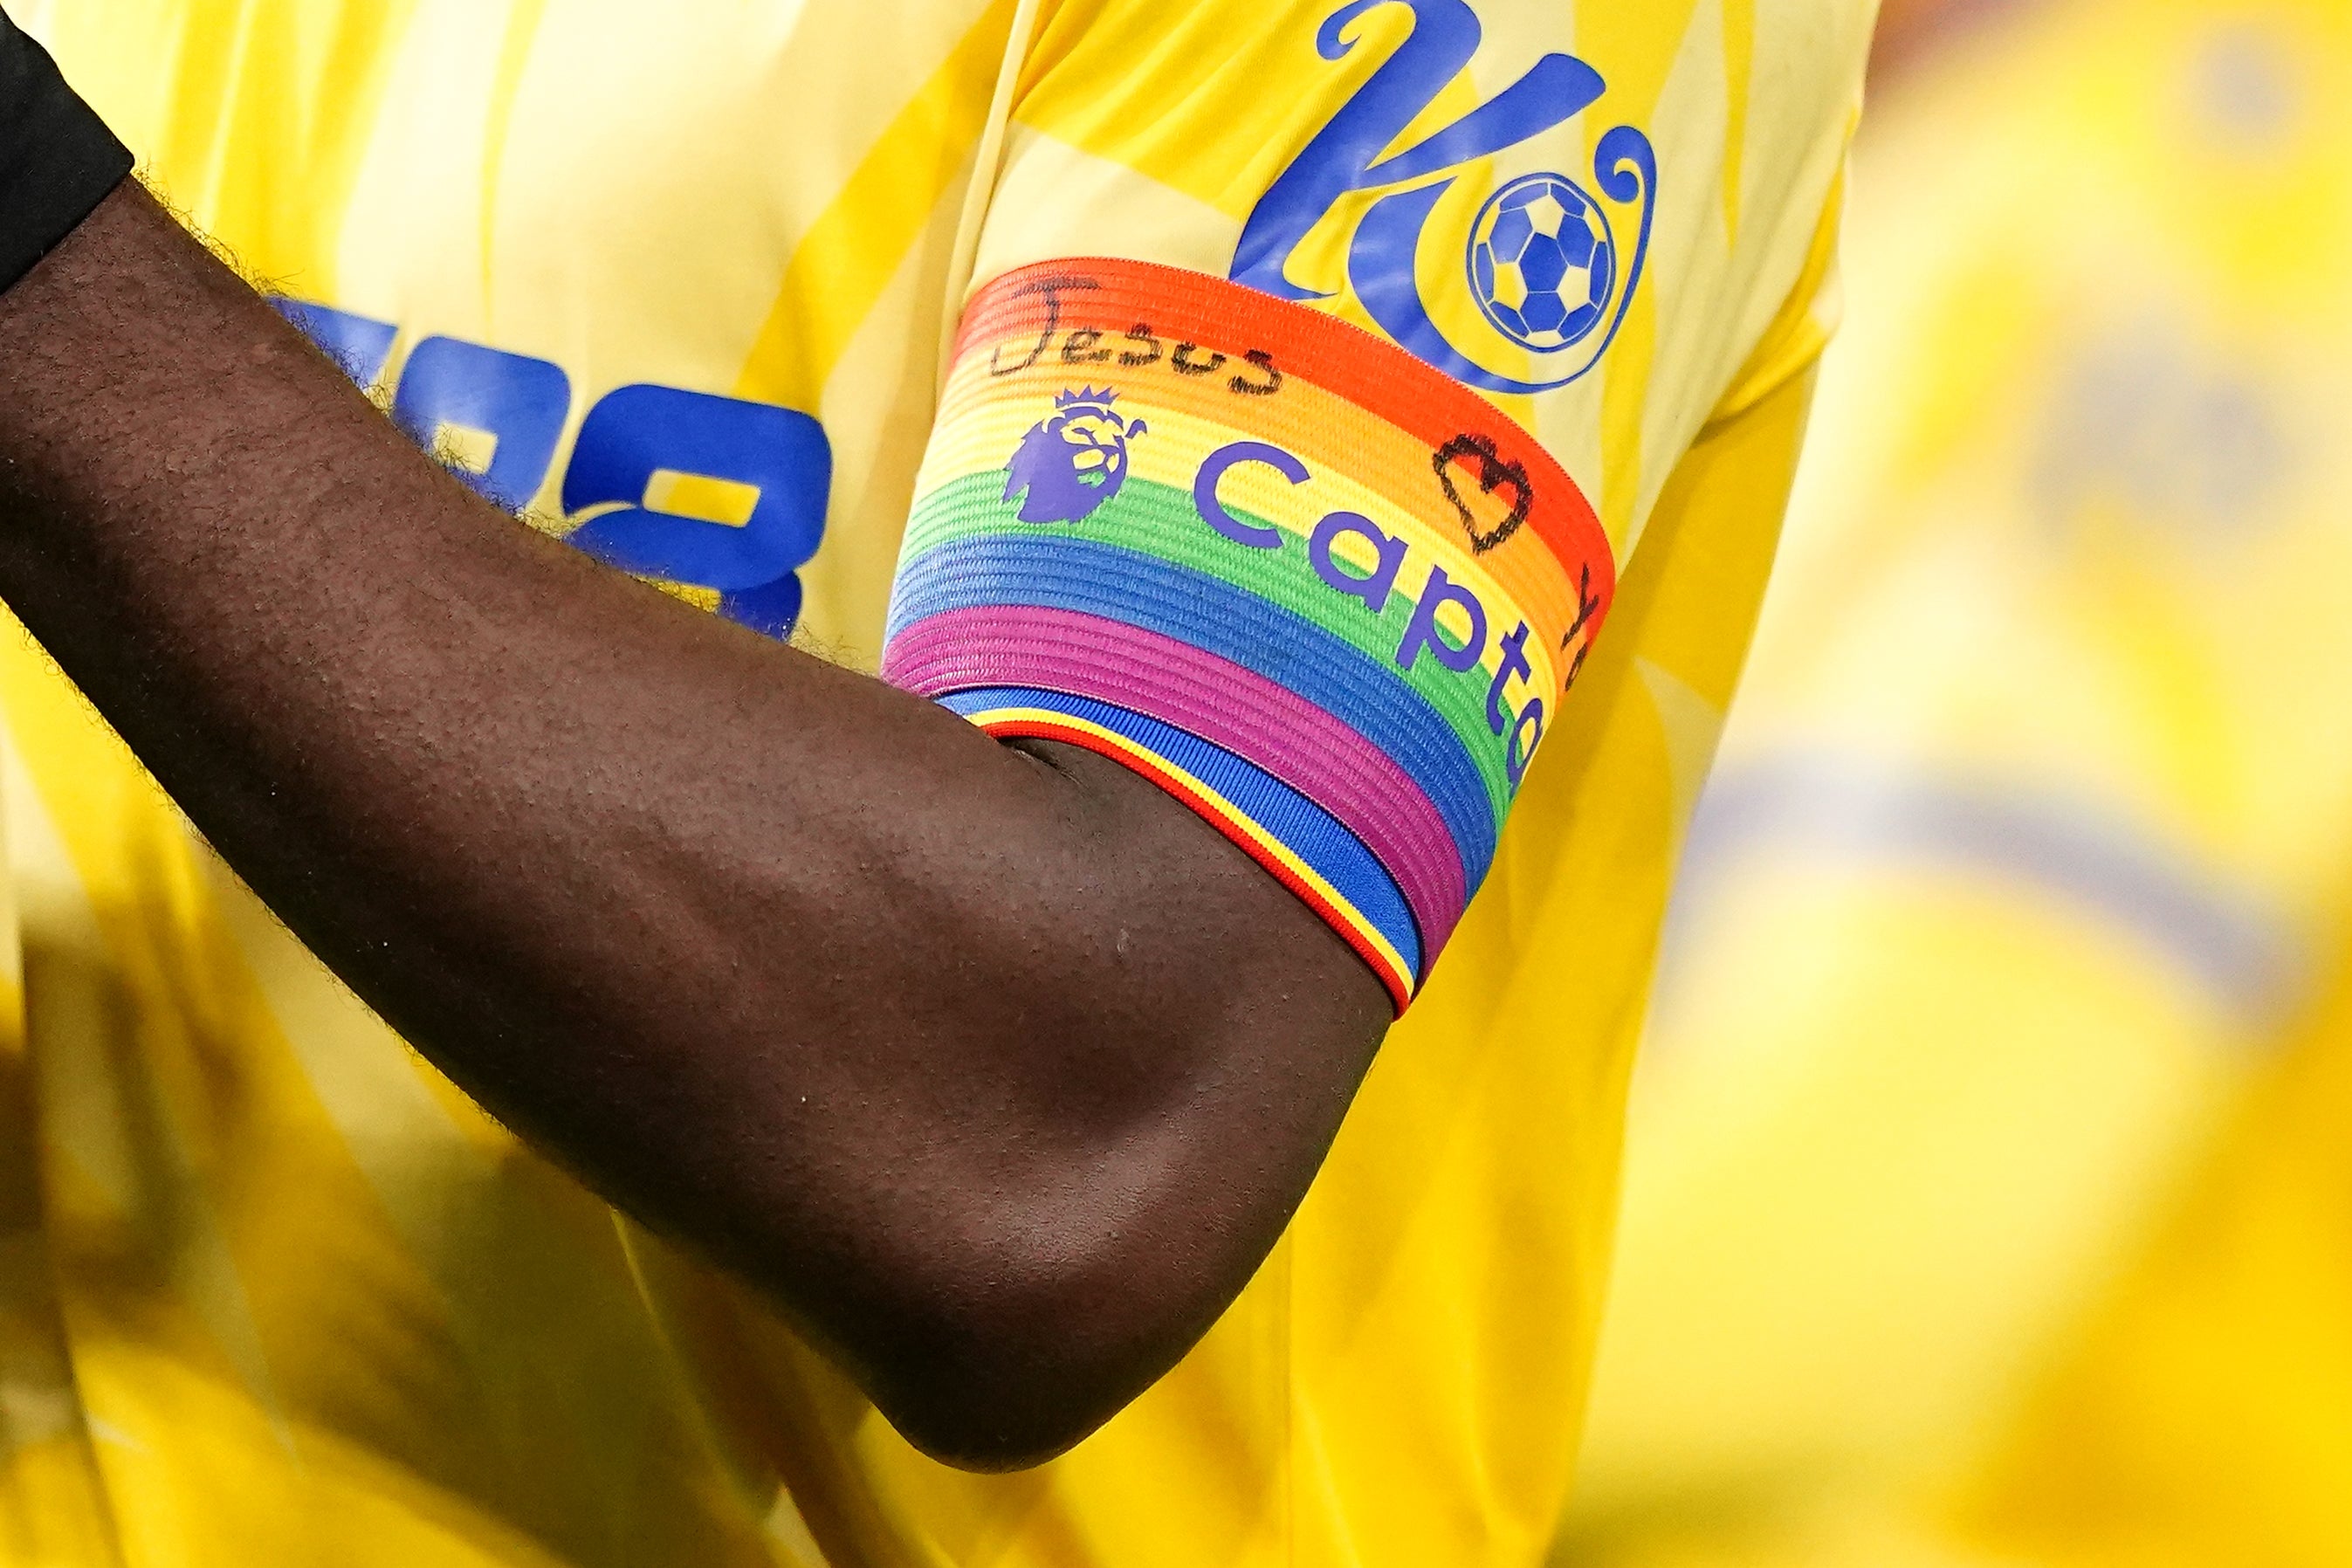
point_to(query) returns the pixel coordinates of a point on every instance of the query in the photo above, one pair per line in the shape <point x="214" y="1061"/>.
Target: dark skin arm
<point x="994" y="1066"/>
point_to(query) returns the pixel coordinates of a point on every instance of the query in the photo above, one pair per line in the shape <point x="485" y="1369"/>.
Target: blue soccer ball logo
<point x="1543" y="262"/>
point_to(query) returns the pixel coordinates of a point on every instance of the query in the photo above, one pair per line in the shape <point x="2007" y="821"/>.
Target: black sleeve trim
<point x="58" y="158"/>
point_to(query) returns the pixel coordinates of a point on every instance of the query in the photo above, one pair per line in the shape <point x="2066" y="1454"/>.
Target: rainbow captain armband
<point x="1322" y="594"/>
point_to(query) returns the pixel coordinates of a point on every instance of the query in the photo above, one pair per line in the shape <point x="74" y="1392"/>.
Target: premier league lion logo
<point x="1073" y="463"/>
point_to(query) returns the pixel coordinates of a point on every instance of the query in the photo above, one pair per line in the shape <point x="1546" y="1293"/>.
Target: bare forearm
<point x="795" y="965"/>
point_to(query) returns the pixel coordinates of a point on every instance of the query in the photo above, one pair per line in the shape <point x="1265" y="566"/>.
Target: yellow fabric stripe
<point x="514" y="55"/>
<point x="1640" y="43"/>
<point x="252" y="93"/>
<point x="850" y="253"/>
<point x="139" y="866"/>
<point x="1738" y="64"/>
<point x="53" y="1508"/>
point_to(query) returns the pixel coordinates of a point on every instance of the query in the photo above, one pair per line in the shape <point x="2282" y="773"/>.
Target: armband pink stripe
<point x="1220" y="701"/>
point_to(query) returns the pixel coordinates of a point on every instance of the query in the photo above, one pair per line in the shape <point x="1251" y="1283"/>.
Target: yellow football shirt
<point x="2025" y="853"/>
<point x="688" y="286"/>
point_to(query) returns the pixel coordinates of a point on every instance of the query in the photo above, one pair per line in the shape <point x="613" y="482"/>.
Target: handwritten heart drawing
<point x="1493" y="474"/>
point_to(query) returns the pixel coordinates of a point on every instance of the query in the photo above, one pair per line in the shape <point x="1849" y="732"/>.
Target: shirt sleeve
<point x="1791" y="345"/>
<point x="1212" y="492"/>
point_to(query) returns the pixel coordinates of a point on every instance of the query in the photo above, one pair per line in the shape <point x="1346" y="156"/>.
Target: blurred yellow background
<point x="1989" y="1189"/>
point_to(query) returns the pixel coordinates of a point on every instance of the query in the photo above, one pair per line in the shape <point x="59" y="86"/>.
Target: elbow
<point x="1005" y="1405"/>
<point x="1016" y="1342"/>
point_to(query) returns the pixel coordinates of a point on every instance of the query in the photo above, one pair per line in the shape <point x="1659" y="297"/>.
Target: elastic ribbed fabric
<point x="1291" y="739"/>
<point x="58" y="158"/>
<point x="1326" y="597"/>
<point x="1254" y="808"/>
<point x="1125" y="586"/>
